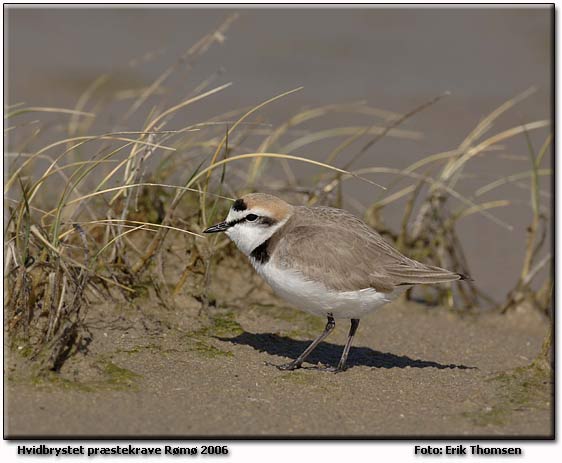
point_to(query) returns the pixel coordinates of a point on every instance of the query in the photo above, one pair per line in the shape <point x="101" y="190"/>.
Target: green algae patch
<point x="55" y="380"/>
<point x="222" y="325"/>
<point x="309" y="324"/>
<point x="225" y="325"/>
<point x="529" y="387"/>
<point x="489" y="416"/>
<point x="520" y="389"/>
<point x="311" y="380"/>
<point x="117" y="377"/>
<point x="112" y="377"/>
<point x="209" y="351"/>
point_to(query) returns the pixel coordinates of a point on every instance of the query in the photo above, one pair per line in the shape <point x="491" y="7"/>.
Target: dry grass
<point x="90" y="215"/>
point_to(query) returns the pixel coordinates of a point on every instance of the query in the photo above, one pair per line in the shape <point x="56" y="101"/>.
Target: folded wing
<point x="350" y="256"/>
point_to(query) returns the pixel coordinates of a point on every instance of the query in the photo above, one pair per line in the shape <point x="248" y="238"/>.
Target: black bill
<point x="219" y="227"/>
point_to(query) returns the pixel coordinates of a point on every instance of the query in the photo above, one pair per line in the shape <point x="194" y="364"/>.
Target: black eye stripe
<point x="259" y="219"/>
<point x="267" y="221"/>
<point x="236" y="222"/>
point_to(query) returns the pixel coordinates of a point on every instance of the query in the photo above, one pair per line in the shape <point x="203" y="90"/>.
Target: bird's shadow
<point x="328" y="353"/>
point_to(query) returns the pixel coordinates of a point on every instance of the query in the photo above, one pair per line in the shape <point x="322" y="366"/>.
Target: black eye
<point x="251" y="217"/>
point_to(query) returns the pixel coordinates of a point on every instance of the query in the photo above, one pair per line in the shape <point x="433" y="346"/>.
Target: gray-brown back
<point x="334" y="246"/>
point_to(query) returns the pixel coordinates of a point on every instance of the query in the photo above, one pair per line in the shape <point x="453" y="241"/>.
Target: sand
<point x="413" y="371"/>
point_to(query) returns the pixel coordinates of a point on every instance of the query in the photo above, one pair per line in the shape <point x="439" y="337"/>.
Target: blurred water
<point x="393" y="58"/>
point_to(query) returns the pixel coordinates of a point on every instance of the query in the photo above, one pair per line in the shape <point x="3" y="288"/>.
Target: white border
<point x="327" y="452"/>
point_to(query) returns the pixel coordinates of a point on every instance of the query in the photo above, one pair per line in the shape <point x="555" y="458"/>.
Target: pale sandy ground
<point x="414" y="371"/>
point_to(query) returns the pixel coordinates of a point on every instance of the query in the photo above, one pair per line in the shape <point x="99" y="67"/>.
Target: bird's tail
<point x="423" y="274"/>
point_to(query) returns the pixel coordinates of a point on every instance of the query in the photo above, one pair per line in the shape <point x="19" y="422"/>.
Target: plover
<point x="323" y="260"/>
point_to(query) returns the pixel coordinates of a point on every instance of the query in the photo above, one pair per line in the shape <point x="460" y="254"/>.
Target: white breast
<point x="314" y="297"/>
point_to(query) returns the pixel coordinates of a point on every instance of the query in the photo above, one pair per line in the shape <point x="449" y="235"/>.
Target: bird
<point x="323" y="260"/>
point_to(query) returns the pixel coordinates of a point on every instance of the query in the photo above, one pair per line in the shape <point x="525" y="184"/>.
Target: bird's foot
<point x="285" y="366"/>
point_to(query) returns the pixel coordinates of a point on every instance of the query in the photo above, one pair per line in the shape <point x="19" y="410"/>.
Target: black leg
<point x="298" y="362"/>
<point x="352" y="330"/>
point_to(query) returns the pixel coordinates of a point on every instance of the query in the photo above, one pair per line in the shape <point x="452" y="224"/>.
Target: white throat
<point x="248" y="236"/>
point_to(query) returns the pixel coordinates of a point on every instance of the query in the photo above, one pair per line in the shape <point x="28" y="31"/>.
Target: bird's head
<point x="253" y="219"/>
